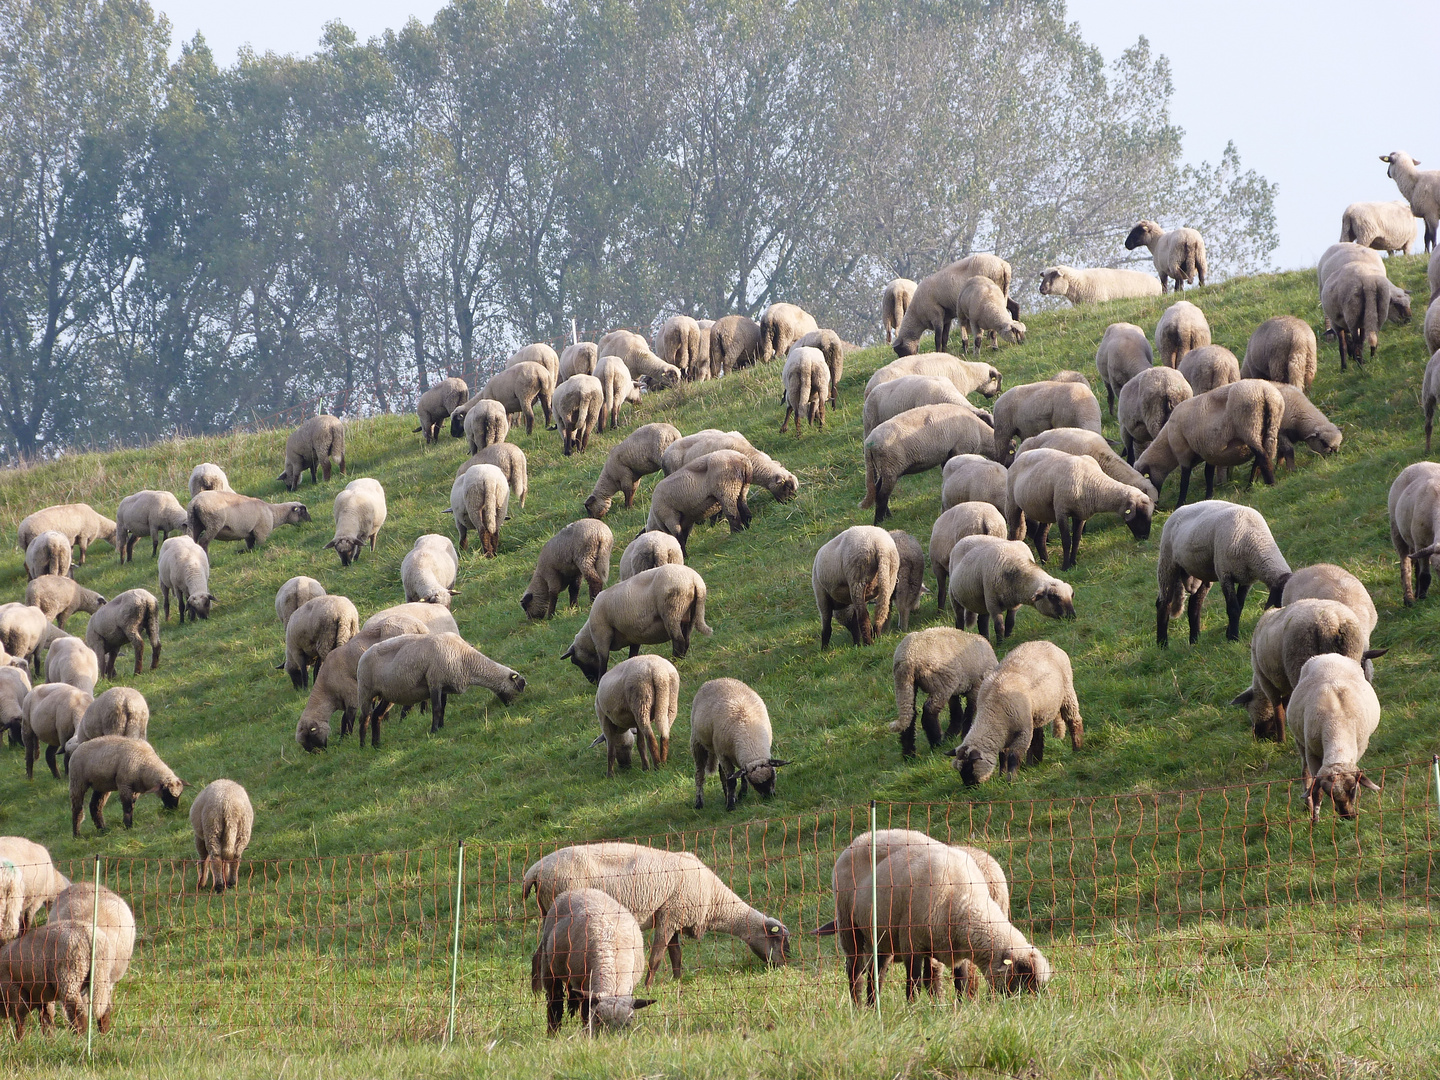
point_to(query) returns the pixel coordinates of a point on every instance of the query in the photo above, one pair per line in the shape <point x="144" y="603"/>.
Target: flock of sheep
<point x="1036" y="459"/>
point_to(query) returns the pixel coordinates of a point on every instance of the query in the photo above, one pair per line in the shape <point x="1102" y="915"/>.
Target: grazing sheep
<point x="359" y="514"/>
<point x="1333" y="712"/>
<point x="766" y="471"/>
<point x="947" y="664"/>
<point x="1050" y="486"/>
<point x="82" y="525"/>
<point x="24" y="632"/>
<point x="1358" y="300"/>
<point x="1208" y="367"/>
<point x="48" y="553"/>
<point x="1384" y="226"/>
<point x="155" y="514"/>
<point x="590" y="955"/>
<point x="577" y="359"/>
<point x="719" y="481"/>
<point x="578" y="552"/>
<point x="1337" y="256"/>
<point x="518" y="388"/>
<point x="649" y="550"/>
<point x="415" y="668"/>
<point x="1124" y="352"/>
<point x="638" y="454"/>
<point x="53" y="963"/>
<point x="131" y="617"/>
<point x="60" y="597"/>
<point x="223" y="819"/>
<point x="678" y="342"/>
<point x="112" y="916"/>
<point x="118" y="711"/>
<point x="537" y="352"/>
<point x="50" y="714"/>
<point x="780" y="326"/>
<point x="967" y="376"/>
<point x="894" y="300"/>
<point x="618" y="387"/>
<point x="634" y="351"/>
<point x="734" y="344"/>
<point x="935" y="304"/>
<point x="510" y="460"/>
<point x="436" y="405"/>
<point x="223" y="515"/>
<point x="1283" y="350"/>
<point x="806" y="379"/>
<point x="1215" y="541"/>
<point x="917" y="440"/>
<point x="1179" y="254"/>
<point x="428" y="570"/>
<point x="910" y="580"/>
<point x="1031" y="688"/>
<point x="890" y="399"/>
<point x="671" y="891"/>
<point x="184" y="569"/>
<point x="642" y="695"/>
<point x="833" y="349"/>
<point x="318" y="443"/>
<point x="991" y="580"/>
<point x="858" y="566"/>
<point x="317" y="627"/>
<point x="982" y="307"/>
<point x="1098" y="285"/>
<point x="41" y="883"/>
<point x="1414" y="509"/>
<point x="1146" y="403"/>
<point x="973" y="518"/>
<point x="486" y="423"/>
<point x="730" y="734"/>
<point x="70" y="660"/>
<point x="655" y="606"/>
<point x="1326" y="581"/>
<point x="972" y="478"/>
<point x="1420" y="188"/>
<point x="1430" y="393"/>
<point x="207" y="476"/>
<point x="113" y="763"/>
<point x="433" y="616"/>
<point x="14" y="686"/>
<point x="579" y="401"/>
<point x="1303" y="422"/>
<point x="1023" y="411"/>
<point x="1181" y="328"/>
<point x="335" y="687"/>
<point x="293" y="593"/>
<point x="480" y="500"/>
<point x="1089" y="444"/>
<point x="1432" y="274"/>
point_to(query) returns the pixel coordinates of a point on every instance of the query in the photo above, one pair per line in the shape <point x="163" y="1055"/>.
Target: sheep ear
<point x="454" y="592"/>
<point x="447" y="511"/>
<point x="599" y="741"/>
<point x="331" y="544"/>
<point x="1373" y="654"/>
<point x="735" y="776"/>
<point x="644" y="1003"/>
<point x="953" y="752"/>
<point x="568" y="653"/>
<point x="774" y="763"/>
<point x="1245" y="698"/>
<point x="1366" y="782"/>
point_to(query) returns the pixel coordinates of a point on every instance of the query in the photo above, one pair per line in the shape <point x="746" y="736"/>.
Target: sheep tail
<point x="1373" y="315"/>
<point x="869" y="499"/>
<point x="699" y="612"/>
<point x="192" y="518"/>
<point x="904" y="699"/>
<point x="151" y="625"/>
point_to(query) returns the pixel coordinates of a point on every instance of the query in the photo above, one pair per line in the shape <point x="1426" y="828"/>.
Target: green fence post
<point x="94" y="930"/>
<point x="455" y="945"/>
<point x="874" y="922"/>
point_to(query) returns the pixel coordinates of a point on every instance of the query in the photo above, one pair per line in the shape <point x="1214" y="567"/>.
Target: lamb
<point x="1179" y="254"/>
<point x="485" y="423"/>
<point x="578" y="552"/>
<point x="1209" y="366"/>
<point x="60" y="597"/>
<point x="915" y="441"/>
<point x="50" y="714"/>
<point x="1032" y="687"/>
<point x="992" y="580"/>
<point x="1182" y="327"/>
<point x="223" y="819"/>
<point x="1215" y="541"/>
<point x="436" y="405"/>
<point x="359" y="515"/>
<point x="894" y="300"/>
<point x="40" y="881"/>
<point x="1357" y="301"/>
<point x="24" y="632"/>
<point x="1146" y="403"/>
<point x="577" y="359"/>
<point x="619" y="388"/>
<point x="1098" y="285"/>
<point x="642" y="695"/>
<point x="537" y="353"/>
<point x="860" y="565"/>
<point x="1333" y="713"/>
<point x="433" y="616"/>
<point x="649" y="550"/>
<point x="1222" y="427"/>
<point x="654" y="606"/>
<point x="973" y="518"/>
<point x="293" y="593"/>
<point x="730" y="734"/>
<point x="71" y="661"/>
<point x="1384" y="226"/>
<point x="981" y="308"/>
<point x="1414" y="508"/>
<point x="53" y="963"/>
<point x="1048" y="486"/>
<point x="1420" y="188"/>
<point x="1283" y="350"/>
<point x="118" y="711"/>
<point x="131" y="617"/>
<point x="207" y="476"/>
<point x="47" y="554"/>
<point x="1430" y="393"/>
<point x="634" y="351"/>
<point x="82" y="525"/>
<point x="590" y="955"/>
<point x="672" y="892"/>
<point x="428" y="570"/>
<point x="806" y="379"/>
<point x="317" y="444"/>
<point x="1124" y="352"/>
<point x="947" y="664"/>
<point x="480" y="500"/>
<point x="638" y="454"/>
<point x="14" y="686"/>
<point x="223" y="515"/>
<point x="678" y="343"/>
<point x="336" y="689"/>
<point x="510" y="460"/>
<point x="1027" y="410"/>
<point x="734" y="344"/>
<point x="155" y="514"/>
<point x="935" y="304"/>
<point x="717" y="481"/>
<point x="1303" y="422"/>
<point x="910" y="580"/>
<point x="415" y="668"/>
<point x="780" y="326"/>
<point x="519" y="388"/>
<point x="112" y="916"/>
<point x="833" y="349"/>
<point x="972" y="478"/>
<point x="113" y="763"/>
<point x="317" y="627"/>
<point x="579" y="401"/>
<point x="1089" y="444"/>
<point x="967" y="376"/>
<point x="890" y="399"/>
<point x="184" y="569"/>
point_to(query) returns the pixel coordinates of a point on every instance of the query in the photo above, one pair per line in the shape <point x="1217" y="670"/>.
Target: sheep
<point x="649" y="550"/>
<point x="618" y="387"/>
<point x="858" y="566"/>
<point x="642" y="695"/>
<point x="82" y="525"/>
<point x="1333" y="712"/>
<point x="1023" y="411"/>
<point x="973" y="518"/>
<point x="113" y="763"/>
<point x="1384" y="226"/>
<point x="155" y="514"/>
<point x="663" y="604"/>
<point x="317" y="444"/>
<point x="433" y="616"/>
<point x="48" y="553"/>
<point x="1432" y="274"/>
<point x="947" y="664"/>
<point x="734" y="344"/>
<point x="485" y="424"/>
<point x="967" y="376"/>
<point x="590" y="955"/>
<point x="1181" y="328"/>
<point x="578" y="552"/>
<point x="510" y="460"/>
<point x="1420" y="188"/>
<point x="480" y="500"/>
<point x="910" y="579"/>
<point x="335" y="687"/>
<point x="894" y="299"/>
<point x="890" y="399"/>
<point x="1283" y="350"/>
<point x="833" y="349"/>
<point x="806" y="379"/>
<point x="71" y="661"/>
<point x="50" y="714"/>
<point x="111" y="914"/>
<point x="428" y="570"/>
<point x="415" y="668"/>
<point x="1303" y="422"/>
<point x="1215" y="541"/>
<point x="678" y="342"/>
<point x="40" y="881"/>
<point x="972" y="478"/>
<point x="1337" y="256"/>
<point x="672" y="892"/>
<point x="1326" y="581"/>
<point x="1414" y="509"/>
<point x="577" y="359"/>
<point x="518" y="389"/>
<point x="24" y="631"/>
<point x="579" y="401"/>
<point x="768" y="473"/>
<point x="1089" y="444"/>
<point x="60" y="597"/>
<point x="118" y="711"/>
<point x="1048" y="486"/>
<point x="14" y="686"/>
<point x="1097" y="285"/>
<point x="436" y="405"/>
<point x="1430" y="393"/>
<point x="1124" y="352"/>
<point x="293" y="593"/>
<point x="718" y="481"/>
<point x="184" y="569"/>
<point x="223" y="819"/>
<point x="934" y="305"/>
<point x="991" y="580"/>
<point x="982" y="307"/>
<point x="1146" y="403"/>
<point x="1358" y="300"/>
<point x="207" y="476"/>
<point x="1209" y="366"/>
<point x="915" y="441"/>
<point x="359" y="515"/>
<point x="131" y="617"/>
<point x="1032" y="687"/>
<point x="634" y="351"/>
<point x="1222" y="427"/>
<point x="224" y="515"/>
<point x="1179" y="254"/>
<point x="638" y="454"/>
<point x="730" y="734"/>
<point x="537" y="352"/>
<point x="53" y="963"/>
<point x="1432" y="326"/>
<point x="318" y="626"/>
<point x="780" y="326"/>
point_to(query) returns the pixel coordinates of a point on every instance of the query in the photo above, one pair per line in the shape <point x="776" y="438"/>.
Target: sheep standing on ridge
<point x="82" y="525"/>
<point x="852" y="570"/>
<point x="1384" y="226"/>
<point x="184" y="569"/>
<point x="436" y="405"/>
<point x="641" y="694"/>
<point x="155" y="514"/>
<point x="946" y="664"/>
<point x="1179" y="254"/>
<point x="315" y="445"/>
<point x="894" y="300"/>
<point x="1181" y="328"/>
<point x="207" y="476"/>
<point x="131" y="617"/>
<point x="518" y="389"/>
<point x="1421" y="189"/>
<point x="578" y="552"/>
<point x="223" y="819"/>
<point x="224" y="515"/>
<point x="935" y="304"/>
<point x="1096" y="286"/>
<point x="982" y="308"/>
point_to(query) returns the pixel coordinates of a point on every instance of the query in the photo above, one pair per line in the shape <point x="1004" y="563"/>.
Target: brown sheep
<point x="317" y="444"/>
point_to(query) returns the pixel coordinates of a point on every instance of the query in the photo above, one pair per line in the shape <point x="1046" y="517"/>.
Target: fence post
<point x="455" y="944"/>
<point x="874" y="922"/>
<point x="1435" y="764"/>
<point x="90" y="1006"/>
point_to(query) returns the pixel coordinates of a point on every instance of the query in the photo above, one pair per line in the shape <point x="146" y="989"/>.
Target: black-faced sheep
<point x="719" y="481"/>
<point x="131" y="617"/>
<point x="224" y="515"/>
<point x="1179" y="254"/>
<point x="642" y="695"/>
<point x="664" y="604"/>
<point x="579" y="400"/>
<point x="222" y="818"/>
<point x="852" y="570"/>
<point x="1023" y="411"/>
<point x="1124" y="352"/>
<point x="184" y="569"/>
<point x="638" y="454"/>
<point x="590" y="956"/>
<point x="992" y="579"/>
<point x="155" y="514"/>
<point x="113" y="763"/>
<point x="947" y="665"/>
<point x="519" y="388"/>
<point x="317" y="444"/>
<point x="1050" y="486"/>
<point x="1031" y="688"/>
<point x="359" y="514"/>
<point x="436" y="405"/>
<point x="82" y="525"/>
<point x="1333" y="713"/>
<point x="730" y="734"/>
<point x="917" y="440"/>
<point x="1098" y="285"/>
<point x="1303" y="422"/>
<point x="428" y="570"/>
<point x="1146" y="403"/>
<point x="1421" y="189"/>
<point x="578" y="552"/>
<point x="1283" y="350"/>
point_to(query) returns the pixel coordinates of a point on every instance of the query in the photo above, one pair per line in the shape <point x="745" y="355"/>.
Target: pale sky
<point x="1312" y="91"/>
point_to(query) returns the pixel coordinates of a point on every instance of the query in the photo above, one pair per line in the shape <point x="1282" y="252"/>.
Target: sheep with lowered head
<point x="894" y="299"/>
<point x="207" y="476"/>
<point x="992" y="579"/>
<point x="910" y="580"/>
<point x="734" y="344"/>
<point x="807" y="386"/>
<point x="857" y="567"/>
<point x="1124" y="352"/>
<point x="730" y="735"/>
<point x="335" y="688"/>
<point x="25" y="631"/>
<point x="184" y="569"/>
<point x="1032" y="688"/>
<point x="1303" y="422"/>
<point x="967" y="376"/>
<point x="1089" y="444"/>
<point x="519" y="388"/>
<point x="964" y="519"/>
<point x="982" y="309"/>
<point x="224" y="515"/>
<point x="1358" y="300"/>
<point x="649" y="550"/>
<point x="677" y="342"/>
<point x="1146" y="403"/>
<point x="1421" y="189"/>
<point x="634" y="351"/>
<point x="1209" y="366"/>
<point x="113" y="763"/>
<point x="717" y="482"/>
<point x="578" y="404"/>
<point x="1283" y="350"/>
<point x="1097" y="285"/>
<point x="917" y="440"/>
<point x="935" y="304"/>
<point x="1023" y="411"/>
<point x="577" y="359"/>
<point x="223" y="819"/>
<point x="14" y="686"/>
<point x="780" y="326"/>
<point x="590" y="955"/>
<point x="428" y="570"/>
<point x="1179" y="254"/>
<point x="638" y="454"/>
<point x="1050" y="486"/>
<point x="80" y="524"/>
<point x="1429" y="395"/>
<point x="947" y="665"/>
<point x="60" y="597"/>
<point x="618" y="387"/>
<point x="833" y="349"/>
<point x="578" y="552"/>
<point x="131" y="617"/>
<point x="71" y="661"/>
<point x="436" y="405"/>
<point x="155" y="514"/>
<point x="48" y="554"/>
<point x="890" y="399"/>
<point x="640" y="695"/>
<point x="120" y="710"/>
<point x="317" y="444"/>
<point x="486" y="422"/>
<point x="480" y="500"/>
<point x="765" y="470"/>
<point x="972" y="478"/>
<point x="510" y="460"/>
<point x="1333" y="712"/>
<point x="317" y="627"/>
<point x="1181" y="328"/>
<point x="359" y="515"/>
<point x="50" y="714"/>
<point x="664" y="604"/>
<point x="1384" y="226"/>
<point x="294" y="593"/>
<point x="53" y="963"/>
<point x="1414" y="510"/>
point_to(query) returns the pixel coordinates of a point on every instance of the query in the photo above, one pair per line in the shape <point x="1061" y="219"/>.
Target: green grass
<point x="1098" y="883"/>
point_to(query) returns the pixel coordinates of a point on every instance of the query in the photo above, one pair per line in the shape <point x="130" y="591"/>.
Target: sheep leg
<point x="139" y="643"/>
<point x="594" y="582"/>
<point x="127" y="807"/>
<point x="1234" y="603"/>
<point x="930" y="721"/>
<point x="554" y="1006"/>
<point x="437" y="709"/>
<point x="882" y="500"/>
<point x="827" y="611"/>
<point x="1110" y="399"/>
<point x="1035" y="755"/>
<point x="574" y="594"/>
<point x="659" y="944"/>
<point x="674" y="950"/>
<point x="907" y="740"/>
<point x="1422" y="586"/>
<point x="860" y="628"/>
<point x="961" y="719"/>
<point x="784" y="423"/>
<point x="942" y="578"/>
<point x="1184" y="485"/>
<point x="1009" y="622"/>
<point x="1407" y="579"/>
<point x="1196" y="602"/>
<point x="1040" y="533"/>
<point x="50" y="752"/>
<point x="967" y="979"/>
<point x="98" y="799"/>
<point x="701" y="757"/>
<point x="942" y="336"/>
<point x="983" y="628"/>
<point x="1065" y="534"/>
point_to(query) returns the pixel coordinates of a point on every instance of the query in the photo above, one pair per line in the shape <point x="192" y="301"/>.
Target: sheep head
<point x="769" y="939"/>
<point x="510" y="689"/>
<point x="169" y="791"/>
<point x="1138" y="513"/>
<point x="974" y="766"/>
<point x="290" y="513"/>
<point x="457" y="422"/>
<point x="1014" y="333"/>
<point x="1054" y="599"/>
<point x="1342" y="782"/>
<point x="199" y="605"/>
<point x="313" y="736"/>
<point x="583" y="655"/>
<point x="597" y="506"/>
<point x="1019" y="971"/>
<point x="1144" y="234"/>
<point x="615" y="1011"/>
<point x="12" y="729"/>
<point x="1398" y="310"/>
<point x="1053" y="282"/>
<point x="347" y="547"/>
<point x="1265" y="722"/>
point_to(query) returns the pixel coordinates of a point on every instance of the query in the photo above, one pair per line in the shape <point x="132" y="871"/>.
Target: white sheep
<point x="1384" y="226"/>
<point x="1096" y="286"/>
<point x="850" y="571"/>
<point x="590" y="955"/>
<point x="1179" y="254"/>
<point x="155" y="514"/>
<point x="1146" y="403"/>
<point x="1032" y="688"/>
<point x="649" y="550"/>
<point x="1123" y="353"/>
<point x="1420" y="188"/>
<point x="69" y="660"/>
<point x="1050" y="486"/>
<point x="917" y="440"/>
<point x="972" y="478"/>
<point x="1333" y="712"/>
<point x="619" y="388"/>
<point x="806" y="378"/>
<point x="207" y="476"/>
<point x="992" y="579"/>
<point x="184" y="569"/>
<point x="223" y="820"/>
<point x="48" y="554"/>
<point x="359" y="515"/>
<point x="640" y="695"/>
<point x="428" y="570"/>
<point x="293" y="593"/>
<point x="1181" y="328"/>
<point x="480" y="500"/>
<point x="730" y="734"/>
<point x="981" y="308"/>
<point x="1414" y="508"/>
<point x="663" y="604"/>
<point x="971" y="518"/>
<point x="894" y="299"/>
<point x="946" y="664"/>
<point x="968" y="376"/>
<point x="1023" y="411"/>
